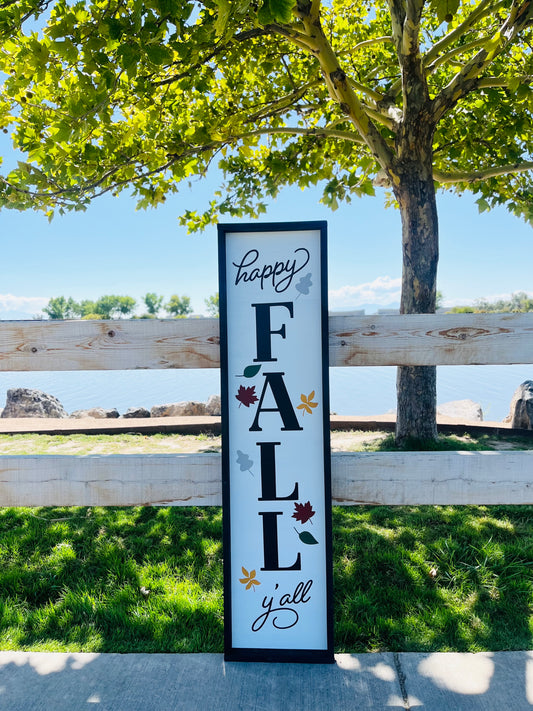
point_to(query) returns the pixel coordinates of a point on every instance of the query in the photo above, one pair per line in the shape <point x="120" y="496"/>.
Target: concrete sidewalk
<point x="31" y="681"/>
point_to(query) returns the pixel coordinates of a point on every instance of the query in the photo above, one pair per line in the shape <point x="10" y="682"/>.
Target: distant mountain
<point x="369" y="309"/>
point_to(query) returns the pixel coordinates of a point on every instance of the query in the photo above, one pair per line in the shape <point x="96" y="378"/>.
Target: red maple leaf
<point x="303" y="512"/>
<point x="246" y="396"/>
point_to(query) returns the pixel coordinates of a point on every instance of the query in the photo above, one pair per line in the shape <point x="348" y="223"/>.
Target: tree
<point x="519" y="302"/>
<point x="211" y="304"/>
<point x="126" y="305"/>
<point x="179" y="305"/>
<point x="153" y="303"/>
<point x="61" y="308"/>
<point x="87" y="309"/>
<point x="407" y="94"/>
<point x="106" y="306"/>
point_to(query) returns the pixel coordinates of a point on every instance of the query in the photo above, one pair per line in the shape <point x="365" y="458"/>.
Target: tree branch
<point x="406" y="17"/>
<point x="445" y="178"/>
<point x="411" y="28"/>
<point x="365" y="43"/>
<point x="298" y="131"/>
<point x="502" y="82"/>
<point x="467" y="79"/>
<point x="454" y="52"/>
<point x="485" y="8"/>
<point x="374" y="95"/>
<point x="338" y="85"/>
<point x="281" y="104"/>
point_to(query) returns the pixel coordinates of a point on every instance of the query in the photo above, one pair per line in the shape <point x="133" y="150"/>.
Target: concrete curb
<point x="211" y="424"/>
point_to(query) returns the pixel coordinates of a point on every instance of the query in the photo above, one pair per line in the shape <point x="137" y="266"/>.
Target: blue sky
<point x="114" y="249"/>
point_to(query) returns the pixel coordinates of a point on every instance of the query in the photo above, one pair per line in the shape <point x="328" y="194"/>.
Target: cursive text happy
<point x="281" y="273"/>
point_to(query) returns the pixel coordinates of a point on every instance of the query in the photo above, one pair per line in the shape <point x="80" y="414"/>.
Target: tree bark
<point x="415" y="192"/>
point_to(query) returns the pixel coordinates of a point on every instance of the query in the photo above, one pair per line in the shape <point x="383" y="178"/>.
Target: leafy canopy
<point x="145" y="94"/>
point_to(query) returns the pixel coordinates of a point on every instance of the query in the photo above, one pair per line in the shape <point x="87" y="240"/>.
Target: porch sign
<point x="275" y="442"/>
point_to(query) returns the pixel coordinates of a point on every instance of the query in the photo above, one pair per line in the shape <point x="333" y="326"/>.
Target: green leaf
<point x="130" y="55"/>
<point x="158" y="54"/>
<point x="115" y="28"/>
<point x="307" y="538"/>
<point x="251" y="370"/>
<point x="223" y="16"/>
<point x="276" y="11"/>
<point x="445" y="9"/>
<point x="483" y="205"/>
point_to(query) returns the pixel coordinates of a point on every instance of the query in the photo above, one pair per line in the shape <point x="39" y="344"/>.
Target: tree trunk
<point x="415" y="192"/>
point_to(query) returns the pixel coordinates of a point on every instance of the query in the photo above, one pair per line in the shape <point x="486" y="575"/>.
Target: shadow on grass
<point x="150" y="579"/>
<point x="433" y="578"/>
<point x="124" y="580"/>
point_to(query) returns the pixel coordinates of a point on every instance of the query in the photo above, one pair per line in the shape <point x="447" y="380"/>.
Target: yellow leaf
<point x="307" y="402"/>
<point x="249" y="579"/>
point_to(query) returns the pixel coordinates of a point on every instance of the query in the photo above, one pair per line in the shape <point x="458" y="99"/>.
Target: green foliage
<point x="519" y="302"/>
<point x="14" y="13"/>
<point x="153" y="303"/>
<point x="87" y="308"/>
<point x="112" y="306"/>
<point x="126" y="305"/>
<point x="179" y="305"/>
<point x="61" y="308"/>
<point x="144" y="95"/>
<point x="211" y="304"/>
<point x="445" y="9"/>
<point x="462" y="310"/>
<point x="108" y="306"/>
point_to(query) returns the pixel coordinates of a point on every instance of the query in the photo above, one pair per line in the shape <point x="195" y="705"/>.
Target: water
<point x="354" y="391"/>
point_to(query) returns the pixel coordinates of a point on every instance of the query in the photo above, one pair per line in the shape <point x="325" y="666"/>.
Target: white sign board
<point x="276" y="456"/>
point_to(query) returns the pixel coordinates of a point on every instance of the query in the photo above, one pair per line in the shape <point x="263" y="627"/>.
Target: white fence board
<point x="431" y="339"/>
<point x="390" y="478"/>
<point x="109" y="345"/>
<point x="426" y="339"/>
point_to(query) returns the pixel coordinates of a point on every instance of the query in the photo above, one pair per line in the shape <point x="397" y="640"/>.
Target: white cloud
<point x="25" y="304"/>
<point x="381" y="292"/>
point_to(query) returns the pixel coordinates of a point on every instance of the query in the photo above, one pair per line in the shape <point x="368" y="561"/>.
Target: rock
<point x="462" y="410"/>
<point x="521" y="410"/>
<point x="213" y="406"/>
<point x="97" y="413"/>
<point x="136" y="412"/>
<point x="179" y="409"/>
<point x="24" y="402"/>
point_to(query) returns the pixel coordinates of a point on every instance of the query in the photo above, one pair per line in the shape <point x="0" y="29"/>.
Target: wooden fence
<point x="504" y="477"/>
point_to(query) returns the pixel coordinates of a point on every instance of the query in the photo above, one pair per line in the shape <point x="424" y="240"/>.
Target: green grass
<point x="433" y="578"/>
<point x="150" y="579"/>
<point x="417" y="578"/>
<point x="78" y="579"/>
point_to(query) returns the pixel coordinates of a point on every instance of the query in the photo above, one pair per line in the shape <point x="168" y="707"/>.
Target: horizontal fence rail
<point x="392" y="478"/>
<point x="425" y="339"/>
